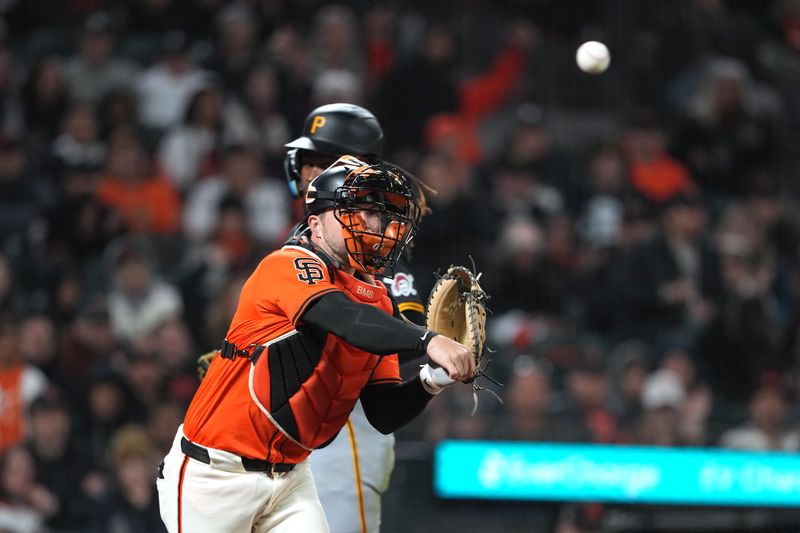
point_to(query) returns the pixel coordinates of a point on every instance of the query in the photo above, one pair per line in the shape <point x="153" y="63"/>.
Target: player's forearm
<point x="390" y="406"/>
<point x="365" y="326"/>
<point x="410" y="314"/>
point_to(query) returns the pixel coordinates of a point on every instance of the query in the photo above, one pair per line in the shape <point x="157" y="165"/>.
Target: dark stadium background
<point x="638" y="230"/>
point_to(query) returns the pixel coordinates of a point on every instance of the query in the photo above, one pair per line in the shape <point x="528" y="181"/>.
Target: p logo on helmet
<point x="333" y="130"/>
<point x="318" y="122"/>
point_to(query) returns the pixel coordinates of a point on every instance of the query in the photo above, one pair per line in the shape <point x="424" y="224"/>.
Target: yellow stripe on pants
<point x="357" y="469"/>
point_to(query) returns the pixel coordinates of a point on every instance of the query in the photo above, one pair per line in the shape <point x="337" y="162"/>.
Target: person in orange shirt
<point x="147" y="202"/>
<point x="653" y="171"/>
<point x="20" y="384"/>
<point x="314" y="332"/>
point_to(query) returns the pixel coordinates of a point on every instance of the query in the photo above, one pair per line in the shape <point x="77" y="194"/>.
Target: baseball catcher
<point x="314" y="332"/>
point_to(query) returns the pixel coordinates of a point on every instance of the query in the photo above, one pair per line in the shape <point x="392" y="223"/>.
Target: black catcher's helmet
<point x="334" y="130"/>
<point x="351" y="187"/>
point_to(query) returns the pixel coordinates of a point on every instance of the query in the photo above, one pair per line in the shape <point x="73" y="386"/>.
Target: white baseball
<point x="593" y="57"/>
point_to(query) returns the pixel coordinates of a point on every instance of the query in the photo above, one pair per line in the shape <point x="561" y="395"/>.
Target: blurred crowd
<point x="638" y="231"/>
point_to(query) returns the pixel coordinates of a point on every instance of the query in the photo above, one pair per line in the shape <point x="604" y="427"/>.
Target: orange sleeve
<point x="290" y="280"/>
<point x="387" y="371"/>
<point x="482" y="94"/>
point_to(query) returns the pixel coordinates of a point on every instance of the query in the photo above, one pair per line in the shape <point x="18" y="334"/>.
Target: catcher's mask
<point x="376" y="206"/>
<point x="329" y="132"/>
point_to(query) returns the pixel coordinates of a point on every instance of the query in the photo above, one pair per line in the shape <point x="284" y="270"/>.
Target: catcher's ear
<point x="314" y="223"/>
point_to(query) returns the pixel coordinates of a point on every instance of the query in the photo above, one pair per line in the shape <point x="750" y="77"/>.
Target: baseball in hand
<point x="593" y="57"/>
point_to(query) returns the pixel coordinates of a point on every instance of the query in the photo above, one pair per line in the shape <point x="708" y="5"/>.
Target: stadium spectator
<point x="335" y="46"/>
<point x="132" y="503"/>
<point x="192" y="149"/>
<point x="521" y="268"/>
<point x="380" y="54"/>
<point x="675" y="354"/>
<point x="237" y="49"/>
<point x="25" y="505"/>
<point x="62" y="465"/>
<point x="628" y="367"/>
<point x="176" y="355"/>
<point x="22" y="197"/>
<point x="587" y="394"/>
<point x="601" y="209"/>
<point x="20" y="384"/>
<point x="8" y="292"/>
<point x="12" y="121"/>
<point x="118" y="110"/>
<point x="79" y="226"/>
<point x="530" y="146"/>
<point x="456" y="212"/>
<point x="662" y="395"/>
<point x="132" y="186"/>
<point x="78" y="145"/>
<point x="676" y="272"/>
<point x="109" y="405"/>
<point x="146" y="380"/>
<point x="264" y="200"/>
<point x="434" y="72"/>
<point x="39" y="346"/>
<point x="767" y="426"/>
<point x="729" y="129"/>
<point x="336" y="85"/>
<point x="654" y="173"/>
<point x="88" y="341"/>
<point x="166" y="87"/>
<point x="45" y="97"/>
<point x="139" y="302"/>
<point x="256" y="118"/>
<point x="531" y="412"/>
<point x="95" y="69"/>
<point x="778" y="59"/>
<point x="161" y="423"/>
<point x="745" y="339"/>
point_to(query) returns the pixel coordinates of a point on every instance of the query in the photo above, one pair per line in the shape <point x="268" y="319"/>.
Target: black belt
<point x="251" y="465"/>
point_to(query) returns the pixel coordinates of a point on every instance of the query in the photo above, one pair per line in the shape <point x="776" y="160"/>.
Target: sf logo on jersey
<point x="309" y="270"/>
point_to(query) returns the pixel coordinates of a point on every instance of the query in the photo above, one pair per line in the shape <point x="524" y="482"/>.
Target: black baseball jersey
<point x="404" y="292"/>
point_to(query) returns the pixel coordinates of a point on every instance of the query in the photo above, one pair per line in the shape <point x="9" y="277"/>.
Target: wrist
<point x="426" y="338"/>
<point x="434" y="380"/>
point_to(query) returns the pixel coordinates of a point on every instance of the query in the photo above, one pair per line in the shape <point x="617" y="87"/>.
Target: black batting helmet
<point x="334" y="130"/>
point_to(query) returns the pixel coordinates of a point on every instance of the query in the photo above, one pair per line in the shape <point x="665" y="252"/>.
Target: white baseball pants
<point x="223" y="497"/>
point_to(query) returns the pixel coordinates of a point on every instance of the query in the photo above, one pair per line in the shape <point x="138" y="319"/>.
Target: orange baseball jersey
<point x="297" y="393"/>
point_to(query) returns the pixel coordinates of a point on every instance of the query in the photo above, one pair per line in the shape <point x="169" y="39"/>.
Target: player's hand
<point x="454" y="357"/>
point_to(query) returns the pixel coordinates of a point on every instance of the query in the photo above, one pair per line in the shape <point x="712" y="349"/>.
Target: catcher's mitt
<point x="203" y="362"/>
<point x="457" y="309"/>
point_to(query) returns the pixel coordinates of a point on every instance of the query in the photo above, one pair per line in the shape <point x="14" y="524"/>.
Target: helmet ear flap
<point x="291" y="167"/>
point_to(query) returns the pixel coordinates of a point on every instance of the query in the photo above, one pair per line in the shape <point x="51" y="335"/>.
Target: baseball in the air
<point x="593" y="57"/>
